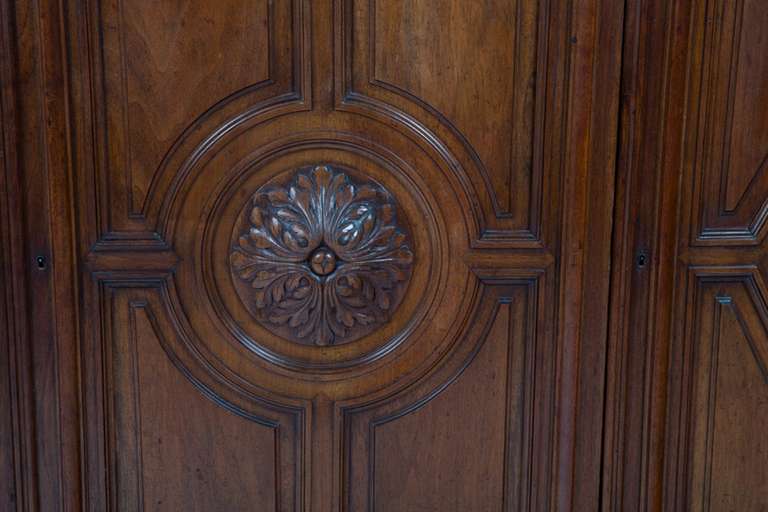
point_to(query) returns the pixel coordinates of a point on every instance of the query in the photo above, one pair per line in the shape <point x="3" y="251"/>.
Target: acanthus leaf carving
<point x="325" y="257"/>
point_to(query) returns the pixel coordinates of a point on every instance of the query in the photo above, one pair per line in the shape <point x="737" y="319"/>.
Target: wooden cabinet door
<point x="717" y="444"/>
<point x="688" y="400"/>
<point x="293" y="255"/>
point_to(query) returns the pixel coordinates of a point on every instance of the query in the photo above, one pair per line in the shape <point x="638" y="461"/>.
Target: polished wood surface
<point x="687" y="385"/>
<point x="384" y="255"/>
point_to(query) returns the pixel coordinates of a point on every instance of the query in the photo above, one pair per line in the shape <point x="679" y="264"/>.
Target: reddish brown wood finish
<point x="137" y="375"/>
<point x="687" y="382"/>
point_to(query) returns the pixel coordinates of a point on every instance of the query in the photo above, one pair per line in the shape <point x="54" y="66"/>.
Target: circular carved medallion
<point x="321" y="259"/>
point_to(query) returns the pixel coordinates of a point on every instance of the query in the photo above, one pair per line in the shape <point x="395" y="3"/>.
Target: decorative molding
<point x="324" y="258"/>
<point x="719" y="219"/>
<point x="527" y="429"/>
<point x="361" y="91"/>
<point x="711" y="292"/>
<point x="44" y="291"/>
<point x="220" y="207"/>
<point x="98" y="66"/>
<point x="122" y="347"/>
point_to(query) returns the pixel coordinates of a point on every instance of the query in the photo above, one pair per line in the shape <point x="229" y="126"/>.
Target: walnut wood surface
<point x="687" y="382"/>
<point x="384" y="255"/>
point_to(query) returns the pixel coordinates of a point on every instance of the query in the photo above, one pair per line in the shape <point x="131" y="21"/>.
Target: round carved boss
<point x="320" y="258"/>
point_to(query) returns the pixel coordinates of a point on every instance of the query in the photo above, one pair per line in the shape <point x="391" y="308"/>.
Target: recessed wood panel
<point x="472" y="78"/>
<point x="732" y="155"/>
<point x="179" y="62"/>
<point x="748" y="145"/>
<point x="474" y="62"/>
<point x="159" y="415"/>
<point x="166" y="63"/>
<point x="428" y="449"/>
<point x="422" y="459"/>
<point x="162" y="79"/>
<point x="729" y="407"/>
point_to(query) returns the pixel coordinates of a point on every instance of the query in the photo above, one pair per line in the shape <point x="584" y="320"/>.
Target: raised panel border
<point x="395" y="105"/>
<point x="536" y="432"/>
<point x="124" y="294"/>
<point x="712" y="98"/>
<point x="537" y="124"/>
<point x="110" y="221"/>
<point x="679" y="470"/>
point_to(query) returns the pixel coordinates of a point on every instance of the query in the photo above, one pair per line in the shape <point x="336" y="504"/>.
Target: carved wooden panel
<point x="730" y="97"/>
<point x="241" y="457"/>
<point x="457" y="73"/>
<point x="725" y="404"/>
<point x="485" y="57"/>
<point x="392" y="443"/>
<point x="687" y="380"/>
<point x="293" y="252"/>
<point x="160" y="70"/>
<point x="321" y="259"/>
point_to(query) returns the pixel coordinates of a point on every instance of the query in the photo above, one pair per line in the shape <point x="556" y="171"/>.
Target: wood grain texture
<point x="489" y="365"/>
<point x="16" y="439"/>
<point x="716" y="459"/>
<point x="490" y="58"/>
<point x="644" y="253"/>
<point x="689" y="275"/>
<point x="729" y="402"/>
<point x="456" y="72"/>
<point x="732" y="151"/>
<point x="439" y="436"/>
<point x="156" y="73"/>
<point x="722" y="295"/>
<point x="391" y="443"/>
<point x="154" y="52"/>
<point x="157" y="413"/>
<point x="156" y="403"/>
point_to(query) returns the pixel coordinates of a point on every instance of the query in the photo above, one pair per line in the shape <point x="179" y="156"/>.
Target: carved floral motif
<point x="324" y="256"/>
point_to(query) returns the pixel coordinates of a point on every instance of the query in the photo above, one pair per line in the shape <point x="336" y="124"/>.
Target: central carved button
<point x="322" y="261"/>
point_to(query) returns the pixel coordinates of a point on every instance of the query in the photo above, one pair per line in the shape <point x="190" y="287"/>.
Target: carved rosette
<point x="321" y="260"/>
